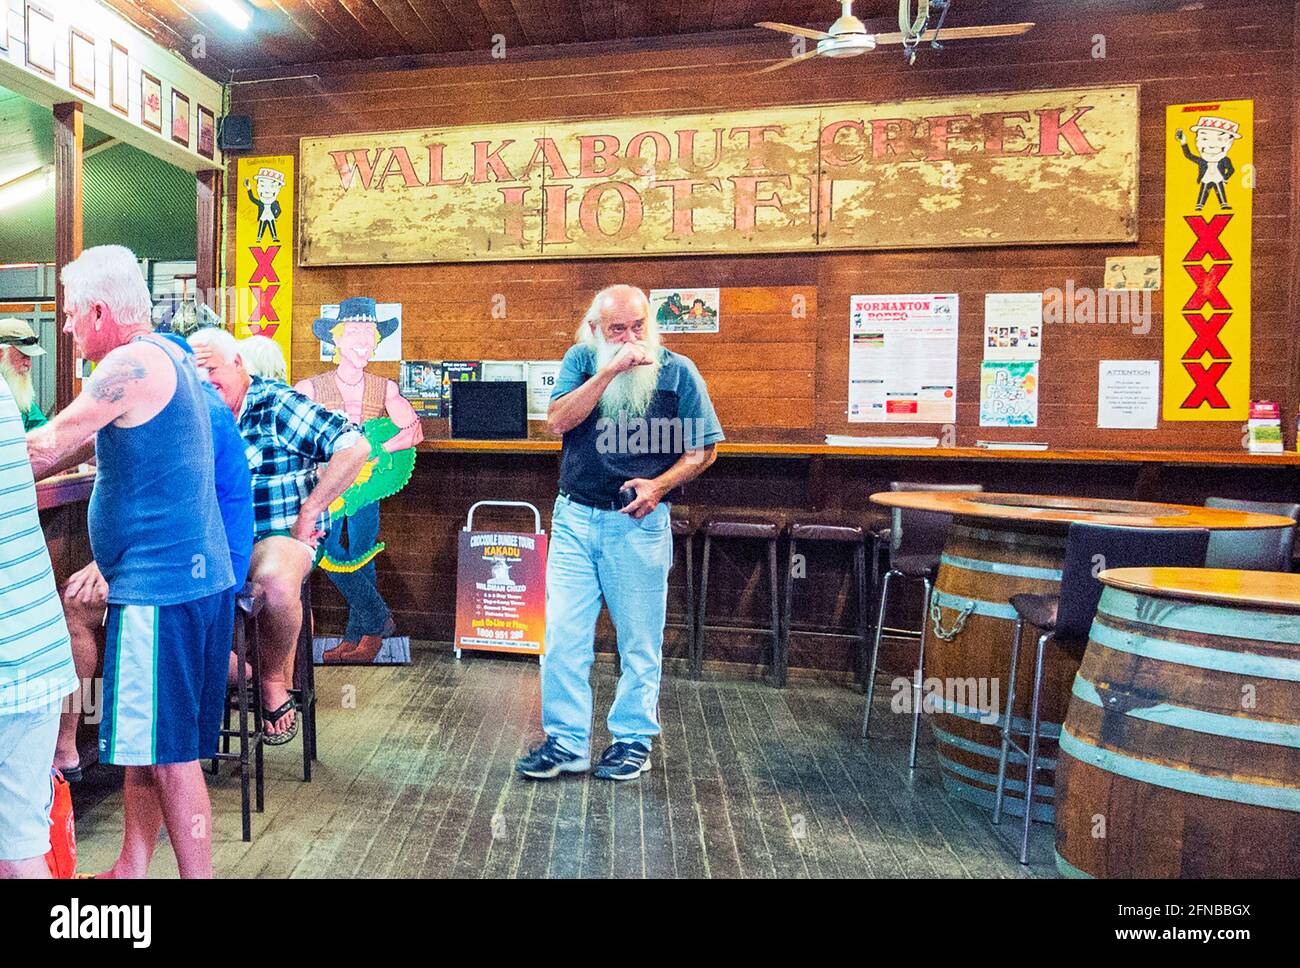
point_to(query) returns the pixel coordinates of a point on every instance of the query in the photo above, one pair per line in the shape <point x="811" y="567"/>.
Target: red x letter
<point x="263" y="329"/>
<point x="1207" y="336"/>
<point x="1207" y="386"/>
<point x="265" y="272"/>
<point x="1207" y="286"/>
<point x="1207" y="238"/>
<point x="264" y="309"/>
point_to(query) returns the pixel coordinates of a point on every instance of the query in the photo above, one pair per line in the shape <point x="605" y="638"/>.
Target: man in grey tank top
<point x="157" y="536"/>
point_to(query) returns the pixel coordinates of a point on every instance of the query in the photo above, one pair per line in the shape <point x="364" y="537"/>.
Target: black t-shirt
<point x="602" y="452"/>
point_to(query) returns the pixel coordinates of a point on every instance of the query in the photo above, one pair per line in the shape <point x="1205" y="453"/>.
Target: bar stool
<point x="1066" y="619"/>
<point x="684" y="526"/>
<point x="836" y="528"/>
<point x="916" y="540"/>
<point x="304" y="682"/>
<point x="748" y="527"/>
<point x="1253" y="549"/>
<point x="240" y="697"/>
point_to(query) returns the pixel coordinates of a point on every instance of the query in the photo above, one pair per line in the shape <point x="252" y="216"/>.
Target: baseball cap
<point x="16" y="332"/>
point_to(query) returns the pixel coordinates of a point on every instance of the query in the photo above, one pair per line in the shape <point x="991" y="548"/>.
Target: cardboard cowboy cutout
<point x="268" y="183"/>
<point x="1214" y="138"/>
<point x="393" y="429"/>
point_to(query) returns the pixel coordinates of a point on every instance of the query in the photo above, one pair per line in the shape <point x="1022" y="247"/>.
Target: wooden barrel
<point x="984" y="563"/>
<point x="1180" y="752"/>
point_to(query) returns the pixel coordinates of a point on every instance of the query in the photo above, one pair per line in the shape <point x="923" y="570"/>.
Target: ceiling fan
<point x="849" y="37"/>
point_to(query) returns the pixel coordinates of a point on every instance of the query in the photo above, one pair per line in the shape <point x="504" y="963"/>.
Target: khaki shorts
<point x="26" y="789"/>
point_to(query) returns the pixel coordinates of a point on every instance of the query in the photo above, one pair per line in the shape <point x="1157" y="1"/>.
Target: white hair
<point x="108" y="274"/>
<point x="218" y="340"/>
<point x="263" y="357"/>
<point x="596" y="311"/>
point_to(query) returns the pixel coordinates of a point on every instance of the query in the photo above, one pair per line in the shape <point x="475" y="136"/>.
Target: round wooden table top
<point x="1223" y="586"/>
<point x="1050" y="509"/>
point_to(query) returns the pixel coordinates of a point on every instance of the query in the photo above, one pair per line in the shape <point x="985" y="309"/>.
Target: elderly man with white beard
<point x="18" y="345"/>
<point x="610" y="533"/>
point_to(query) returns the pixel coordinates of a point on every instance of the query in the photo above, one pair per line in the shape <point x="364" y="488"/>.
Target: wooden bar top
<point x="1227" y="458"/>
<point x="1050" y="509"/>
<point x="1253" y="589"/>
<point x="64" y="489"/>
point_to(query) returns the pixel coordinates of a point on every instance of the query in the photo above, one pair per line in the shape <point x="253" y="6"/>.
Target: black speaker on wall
<point x="236" y="133"/>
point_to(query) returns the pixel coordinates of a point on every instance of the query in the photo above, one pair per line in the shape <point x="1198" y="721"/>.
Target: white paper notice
<point x="1013" y="326"/>
<point x="1128" y="394"/>
<point x="502" y="371"/>
<point x="541" y="381"/>
<point x="903" y="358"/>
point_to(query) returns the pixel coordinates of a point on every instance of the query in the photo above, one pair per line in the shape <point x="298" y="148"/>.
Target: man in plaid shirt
<point x="302" y="456"/>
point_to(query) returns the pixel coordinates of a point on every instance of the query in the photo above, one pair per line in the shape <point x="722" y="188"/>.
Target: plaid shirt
<point x="286" y="436"/>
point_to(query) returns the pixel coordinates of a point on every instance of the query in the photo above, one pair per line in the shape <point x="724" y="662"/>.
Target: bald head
<point x="619" y="314"/>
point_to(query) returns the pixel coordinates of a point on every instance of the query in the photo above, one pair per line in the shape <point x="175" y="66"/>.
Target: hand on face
<point x="629" y="357"/>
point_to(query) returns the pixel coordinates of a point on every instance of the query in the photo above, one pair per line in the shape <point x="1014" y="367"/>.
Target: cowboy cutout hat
<point x="359" y="309"/>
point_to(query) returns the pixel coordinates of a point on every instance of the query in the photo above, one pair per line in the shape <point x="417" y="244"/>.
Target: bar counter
<point x="420" y="524"/>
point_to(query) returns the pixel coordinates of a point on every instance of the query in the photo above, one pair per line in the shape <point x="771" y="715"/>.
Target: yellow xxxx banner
<point x="264" y="226"/>
<point x="1209" y="183"/>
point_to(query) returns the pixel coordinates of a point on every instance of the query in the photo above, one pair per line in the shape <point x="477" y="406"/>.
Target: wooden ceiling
<point x="301" y="32"/>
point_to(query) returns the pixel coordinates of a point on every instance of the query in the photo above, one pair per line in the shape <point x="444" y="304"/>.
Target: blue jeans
<point x="598" y="554"/>
<point x="367" y="612"/>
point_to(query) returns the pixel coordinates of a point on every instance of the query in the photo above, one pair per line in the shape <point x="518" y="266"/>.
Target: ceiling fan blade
<point x="961" y="33"/>
<point x="787" y="62"/>
<point x="799" y="31"/>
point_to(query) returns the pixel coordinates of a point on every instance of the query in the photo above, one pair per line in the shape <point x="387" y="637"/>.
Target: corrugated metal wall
<point x="131" y="198"/>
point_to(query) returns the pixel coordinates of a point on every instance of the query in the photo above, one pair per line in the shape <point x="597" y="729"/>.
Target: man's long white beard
<point x="20" y="385"/>
<point x="631" y="391"/>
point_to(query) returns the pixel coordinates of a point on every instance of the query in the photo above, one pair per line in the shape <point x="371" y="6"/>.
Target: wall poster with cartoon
<point x="1209" y="188"/>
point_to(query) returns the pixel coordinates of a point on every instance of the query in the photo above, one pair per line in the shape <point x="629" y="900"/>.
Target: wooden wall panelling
<point x="1217" y="50"/>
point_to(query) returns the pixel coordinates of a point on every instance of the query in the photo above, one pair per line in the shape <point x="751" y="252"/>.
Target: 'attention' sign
<point x="990" y="169"/>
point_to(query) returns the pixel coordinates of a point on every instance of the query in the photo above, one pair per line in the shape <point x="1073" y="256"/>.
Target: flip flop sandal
<point x="273" y="715"/>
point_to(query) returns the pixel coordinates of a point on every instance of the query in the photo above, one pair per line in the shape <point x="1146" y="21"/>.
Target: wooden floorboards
<point x="415" y="779"/>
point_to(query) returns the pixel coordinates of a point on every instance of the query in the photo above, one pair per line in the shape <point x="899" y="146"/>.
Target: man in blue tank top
<point x="156" y="533"/>
<point x="85" y="593"/>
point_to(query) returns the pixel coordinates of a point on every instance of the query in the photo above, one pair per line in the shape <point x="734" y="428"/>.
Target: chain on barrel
<point x="968" y="652"/>
<point x="1180" y="753"/>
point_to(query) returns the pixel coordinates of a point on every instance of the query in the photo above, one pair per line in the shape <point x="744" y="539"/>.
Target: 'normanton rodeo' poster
<point x="1054" y="166"/>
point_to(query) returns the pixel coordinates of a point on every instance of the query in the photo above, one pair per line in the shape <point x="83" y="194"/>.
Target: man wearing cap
<point x="302" y="456"/>
<point x="355" y="333"/>
<point x="1214" y="138"/>
<point x="18" y="345"/>
<point x="268" y="182"/>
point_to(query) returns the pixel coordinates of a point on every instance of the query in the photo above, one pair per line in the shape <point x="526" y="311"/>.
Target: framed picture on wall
<point x="40" y="39"/>
<point x="119" y="76"/>
<point x="180" y="118"/>
<point x="81" y="62"/>
<point x="150" y="101"/>
<point x="207" y="132"/>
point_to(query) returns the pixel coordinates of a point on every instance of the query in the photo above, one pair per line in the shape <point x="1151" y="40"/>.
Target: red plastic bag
<point x="62" y="858"/>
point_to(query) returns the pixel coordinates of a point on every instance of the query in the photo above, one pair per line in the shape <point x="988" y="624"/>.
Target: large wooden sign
<point x="982" y="169"/>
<point x="1209" y="189"/>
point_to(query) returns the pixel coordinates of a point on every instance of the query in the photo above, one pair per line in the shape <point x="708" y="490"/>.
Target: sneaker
<point x="549" y="760"/>
<point x="623" y="761"/>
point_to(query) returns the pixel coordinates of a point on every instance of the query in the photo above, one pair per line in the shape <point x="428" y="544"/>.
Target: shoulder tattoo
<point x="110" y="381"/>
